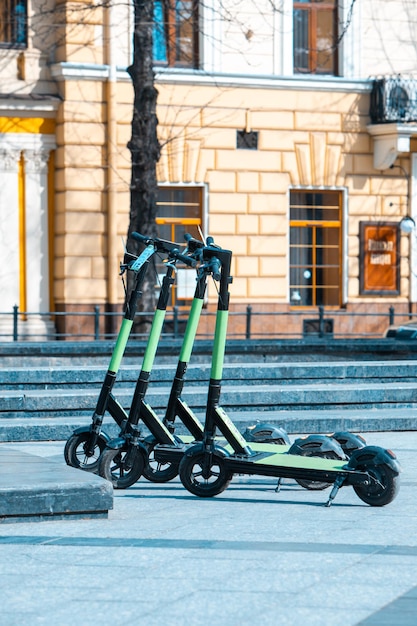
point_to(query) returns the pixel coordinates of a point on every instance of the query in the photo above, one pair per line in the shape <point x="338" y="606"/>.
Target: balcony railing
<point x="394" y="99"/>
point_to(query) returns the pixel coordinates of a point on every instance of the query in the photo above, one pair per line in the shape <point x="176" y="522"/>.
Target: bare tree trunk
<point x="144" y="146"/>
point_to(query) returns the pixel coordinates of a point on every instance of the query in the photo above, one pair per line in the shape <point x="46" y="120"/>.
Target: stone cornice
<point x="27" y="141"/>
<point x="45" y="107"/>
<point x="88" y="71"/>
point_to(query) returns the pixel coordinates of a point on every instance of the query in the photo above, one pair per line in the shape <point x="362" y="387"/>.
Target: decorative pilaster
<point x="9" y="228"/>
<point x="412" y="211"/>
<point x="36" y="240"/>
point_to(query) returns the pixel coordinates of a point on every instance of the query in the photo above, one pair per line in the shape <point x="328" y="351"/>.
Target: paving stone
<point x="248" y="556"/>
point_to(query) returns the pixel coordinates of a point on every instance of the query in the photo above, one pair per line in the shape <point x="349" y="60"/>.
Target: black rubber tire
<point x="74" y="452"/>
<point x="385" y="490"/>
<point x="191" y="470"/>
<point x="111" y="468"/>
<point x="157" y="472"/>
<point x="314" y="485"/>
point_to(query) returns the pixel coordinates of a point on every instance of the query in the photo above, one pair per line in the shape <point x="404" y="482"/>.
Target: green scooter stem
<point x="142" y="263"/>
<point x="175" y="406"/>
<point x="137" y="405"/>
<point x="231" y="433"/>
<point x="163" y="430"/>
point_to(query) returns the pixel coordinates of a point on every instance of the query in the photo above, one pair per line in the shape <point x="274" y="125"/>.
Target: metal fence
<point x="249" y="323"/>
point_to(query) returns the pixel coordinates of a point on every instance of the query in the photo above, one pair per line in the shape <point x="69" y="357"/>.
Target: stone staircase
<point x="45" y="397"/>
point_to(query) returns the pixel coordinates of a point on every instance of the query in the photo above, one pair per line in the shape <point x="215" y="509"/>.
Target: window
<point x="13" y="23"/>
<point x="175" y="35"/>
<point x="315" y="248"/>
<point x="315" y="36"/>
<point x="180" y="211"/>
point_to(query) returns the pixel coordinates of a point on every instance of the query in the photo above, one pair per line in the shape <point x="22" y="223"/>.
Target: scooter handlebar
<point x="160" y="245"/>
<point x="168" y="247"/>
<point x="142" y="238"/>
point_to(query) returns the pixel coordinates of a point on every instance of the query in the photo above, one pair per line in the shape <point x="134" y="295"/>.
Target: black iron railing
<point x="246" y="324"/>
<point x="393" y="99"/>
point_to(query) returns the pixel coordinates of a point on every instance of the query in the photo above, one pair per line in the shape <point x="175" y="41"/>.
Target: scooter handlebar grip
<point x="141" y="238"/>
<point x="215" y="267"/>
<point x="192" y="243"/>
<point x="183" y="258"/>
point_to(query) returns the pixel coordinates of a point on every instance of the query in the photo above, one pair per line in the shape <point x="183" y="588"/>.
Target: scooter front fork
<point x="207" y="461"/>
<point x="336" y="486"/>
<point x="94" y="434"/>
<point x="132" y="449"/>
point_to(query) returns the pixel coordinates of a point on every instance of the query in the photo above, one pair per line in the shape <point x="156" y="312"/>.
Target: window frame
<point x="173" y="221"/>
<point x="313" y="7"/>
<point x="316" y="223"/>
<point x="172" y="36"/>
<point x="9" y="25"/>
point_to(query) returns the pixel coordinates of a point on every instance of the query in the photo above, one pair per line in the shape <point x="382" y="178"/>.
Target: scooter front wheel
<point x="157" y="472"/>
<point x="113" y="467"/>
<point x="384" y="484"/>
<point x="75" y="452"/>
<point x="202" y="476"/>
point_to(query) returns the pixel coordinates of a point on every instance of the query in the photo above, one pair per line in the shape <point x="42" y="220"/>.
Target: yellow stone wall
<point x="306" y="139"/>
<point x="313" y="138"/>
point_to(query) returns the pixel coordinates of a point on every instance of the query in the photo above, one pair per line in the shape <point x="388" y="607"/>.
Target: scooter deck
<point x="273" y="460"/>
<point x="281" y="465"/>
<point x="266" y="448"/>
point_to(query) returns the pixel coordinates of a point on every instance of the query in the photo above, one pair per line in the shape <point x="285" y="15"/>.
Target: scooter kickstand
<point x="278" y="487"/>
<point x="337" y="484"/>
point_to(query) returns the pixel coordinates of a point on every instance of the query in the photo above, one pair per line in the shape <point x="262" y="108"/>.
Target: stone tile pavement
<point x="248" y="556"/>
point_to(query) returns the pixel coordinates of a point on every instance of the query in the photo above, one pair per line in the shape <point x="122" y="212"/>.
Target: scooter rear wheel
<point x="311" y="450"/>
<point x="74" y="452"/>
<point x="385" y="486"/>
<point x="157" y="472"/>
<point x="199" y="482"/>
<point x="112" y="467"/>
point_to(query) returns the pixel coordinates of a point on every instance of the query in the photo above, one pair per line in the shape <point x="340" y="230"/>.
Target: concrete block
<point x="32" y="488"/>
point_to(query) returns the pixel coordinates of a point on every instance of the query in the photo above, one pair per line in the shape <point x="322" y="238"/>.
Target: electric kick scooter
<point x="127" y="457"/>
<point x="84" y="447"/>
<point x="119" y="462"/>
<point x="207" y="467"/>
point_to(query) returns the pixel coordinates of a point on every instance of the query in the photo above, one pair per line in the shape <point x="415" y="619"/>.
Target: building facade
<point x="288" y="133"/>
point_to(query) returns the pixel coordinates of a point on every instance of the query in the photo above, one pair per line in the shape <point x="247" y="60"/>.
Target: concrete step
<point x="63" y="402"/>
<point x="315" y="349"/>
<point x="294" y="421"/>
<point x="41" y="402"/>
<point x="34" y="488"/>
<point x="251" y="373"/>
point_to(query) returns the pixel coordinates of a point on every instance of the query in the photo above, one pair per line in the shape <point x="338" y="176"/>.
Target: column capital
<point x="36" y="159"/>
<point x="9" y="159"/>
